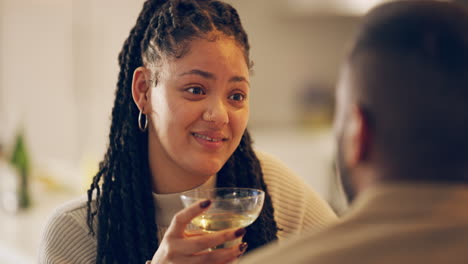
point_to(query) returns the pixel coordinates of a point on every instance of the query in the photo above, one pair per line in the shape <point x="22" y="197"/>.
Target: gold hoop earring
<point x="145" y="126"/>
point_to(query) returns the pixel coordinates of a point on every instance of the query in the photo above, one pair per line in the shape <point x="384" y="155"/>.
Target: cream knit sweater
<point x="298" y="208"/>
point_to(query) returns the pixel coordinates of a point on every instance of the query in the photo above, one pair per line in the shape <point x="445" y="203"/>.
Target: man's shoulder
<point x="339" y="243"/>
<point x="299" y="249"/>
<point x="362" y="239"/>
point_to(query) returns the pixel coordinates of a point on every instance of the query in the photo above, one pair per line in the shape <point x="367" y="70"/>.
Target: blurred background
<point x="58" y="71"/>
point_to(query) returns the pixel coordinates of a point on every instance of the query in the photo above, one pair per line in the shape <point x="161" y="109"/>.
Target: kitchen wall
<point x="58" y="70"/>
<point x="36" y="63"/>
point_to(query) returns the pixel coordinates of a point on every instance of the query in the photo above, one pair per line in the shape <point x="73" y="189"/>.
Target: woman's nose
<point x="216" y="113"/>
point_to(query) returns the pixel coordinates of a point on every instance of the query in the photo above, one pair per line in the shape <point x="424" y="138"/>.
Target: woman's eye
<point x="237" y="97"/>
<point x="195" y="90"/>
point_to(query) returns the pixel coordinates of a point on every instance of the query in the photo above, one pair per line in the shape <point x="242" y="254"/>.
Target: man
<point x="402" y="134"/>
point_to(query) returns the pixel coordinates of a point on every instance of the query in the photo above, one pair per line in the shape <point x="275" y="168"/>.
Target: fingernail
<point x="205" y="204"/>
<point x="239" y="232"/>
<point x="243" y="247"/>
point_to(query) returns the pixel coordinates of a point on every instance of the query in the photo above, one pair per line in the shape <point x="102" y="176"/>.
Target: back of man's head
<point x="410" y="68"/>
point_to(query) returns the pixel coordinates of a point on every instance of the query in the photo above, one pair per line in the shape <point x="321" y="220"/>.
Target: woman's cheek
<point x="239" y="122"/>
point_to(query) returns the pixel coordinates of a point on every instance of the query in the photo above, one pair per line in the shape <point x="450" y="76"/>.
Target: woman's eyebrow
<point x="239" y="79"/>
<point x="204" y="74"/>
<point x="211" y="76"/>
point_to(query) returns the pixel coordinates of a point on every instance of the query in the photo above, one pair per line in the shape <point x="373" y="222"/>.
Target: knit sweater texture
<point x="298" y="208"/>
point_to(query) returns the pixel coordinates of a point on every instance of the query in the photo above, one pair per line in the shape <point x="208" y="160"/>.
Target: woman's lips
<point x="210" y="140"/>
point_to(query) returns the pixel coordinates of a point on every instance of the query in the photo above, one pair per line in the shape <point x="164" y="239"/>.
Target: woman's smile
<point x="209" y="139"/>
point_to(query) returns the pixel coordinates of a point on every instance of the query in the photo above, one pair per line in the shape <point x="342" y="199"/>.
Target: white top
<point x="297" y="209"/>
<point x="167" y="205"/>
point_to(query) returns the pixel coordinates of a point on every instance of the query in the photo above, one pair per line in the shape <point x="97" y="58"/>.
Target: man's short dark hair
<point x="410" y="68"/>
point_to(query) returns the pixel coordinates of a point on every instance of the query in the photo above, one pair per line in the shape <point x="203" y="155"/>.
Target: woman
<point x="179" y="123"/>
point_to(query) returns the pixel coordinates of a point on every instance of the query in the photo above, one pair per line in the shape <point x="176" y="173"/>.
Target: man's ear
<point x="357" y="137"/>
<point x="141" y="84"/>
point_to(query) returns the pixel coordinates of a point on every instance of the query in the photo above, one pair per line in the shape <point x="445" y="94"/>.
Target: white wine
<point x="212" y="222"/>
<point x="231" y="208"/>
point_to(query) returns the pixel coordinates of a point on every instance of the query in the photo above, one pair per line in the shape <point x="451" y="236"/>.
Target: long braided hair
<point x="126" y="224"/>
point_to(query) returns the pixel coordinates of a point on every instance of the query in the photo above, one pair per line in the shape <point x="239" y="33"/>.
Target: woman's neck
<point x="167" y="177"/>
<point x="167" y="181"/>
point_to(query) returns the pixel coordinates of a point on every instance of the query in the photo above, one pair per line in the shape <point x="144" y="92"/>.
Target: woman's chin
<point x="208" y="168"/>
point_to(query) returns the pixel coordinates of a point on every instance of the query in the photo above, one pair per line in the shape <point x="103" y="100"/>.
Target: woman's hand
<point x="179" y="247"/>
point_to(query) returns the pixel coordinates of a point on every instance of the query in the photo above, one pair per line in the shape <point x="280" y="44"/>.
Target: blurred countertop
<point x="20" y="232"/>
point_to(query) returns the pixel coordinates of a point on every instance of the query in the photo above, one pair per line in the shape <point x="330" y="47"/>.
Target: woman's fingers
<point x="177" y="247"/>
<point x="183" y="218"/>
<point x="200" y="243"/>
<point x="220" y="256"/>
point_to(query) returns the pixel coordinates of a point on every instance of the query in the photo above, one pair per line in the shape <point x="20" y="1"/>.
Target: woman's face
<point x="199" y="108"/>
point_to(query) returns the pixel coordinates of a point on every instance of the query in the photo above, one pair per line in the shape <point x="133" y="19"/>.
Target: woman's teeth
<point x="206" y="138"/>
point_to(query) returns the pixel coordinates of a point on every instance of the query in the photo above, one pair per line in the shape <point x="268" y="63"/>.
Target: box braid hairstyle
<point x="126" y="226"/>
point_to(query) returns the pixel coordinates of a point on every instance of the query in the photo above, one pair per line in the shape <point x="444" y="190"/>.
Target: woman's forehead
<point x="206" y="54"/>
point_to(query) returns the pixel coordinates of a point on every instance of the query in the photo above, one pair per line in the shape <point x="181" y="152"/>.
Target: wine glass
<point x="230" y="208"/>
